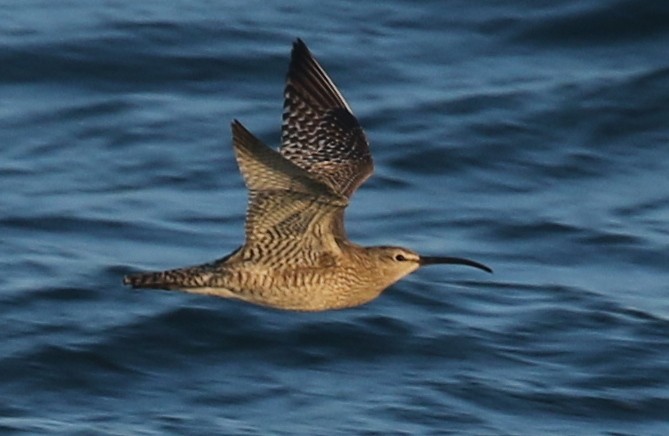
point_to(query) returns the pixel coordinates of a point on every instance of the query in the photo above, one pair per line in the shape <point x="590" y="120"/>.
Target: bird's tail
<point x="173" y="279"/>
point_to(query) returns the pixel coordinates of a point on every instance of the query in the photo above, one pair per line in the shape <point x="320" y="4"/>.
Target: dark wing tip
<point x="241" y="137"/>
<point x="320" y="133"/>
<point x="236" y="126"/>
<point x="300" y="49"/>
<point x="300" y="59"/>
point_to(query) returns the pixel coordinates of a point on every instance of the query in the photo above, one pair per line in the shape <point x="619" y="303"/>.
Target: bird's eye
<point x="400" y="257"/>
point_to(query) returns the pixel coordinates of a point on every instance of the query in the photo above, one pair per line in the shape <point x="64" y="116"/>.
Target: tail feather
<point x="172" y="279"/>
<point x="188" y="278"/>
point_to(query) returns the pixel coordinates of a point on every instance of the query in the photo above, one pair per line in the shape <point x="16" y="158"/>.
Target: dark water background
<point x="532" y="136"/>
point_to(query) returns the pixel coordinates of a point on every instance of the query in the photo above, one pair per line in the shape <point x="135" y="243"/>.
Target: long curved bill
<point x="437" y="260"/>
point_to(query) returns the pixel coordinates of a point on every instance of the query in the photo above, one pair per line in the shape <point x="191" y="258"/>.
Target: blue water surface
<point x="531" y="136"/>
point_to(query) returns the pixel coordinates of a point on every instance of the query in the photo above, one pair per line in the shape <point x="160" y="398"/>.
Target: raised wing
<point x="291" y="218"/>
<point x="320" y="134"/>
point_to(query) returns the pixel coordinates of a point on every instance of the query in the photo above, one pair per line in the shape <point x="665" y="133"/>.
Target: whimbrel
<point x="296" y="255"/>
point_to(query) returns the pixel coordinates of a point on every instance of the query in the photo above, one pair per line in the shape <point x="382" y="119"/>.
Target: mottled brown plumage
<point x="296" y="255"/>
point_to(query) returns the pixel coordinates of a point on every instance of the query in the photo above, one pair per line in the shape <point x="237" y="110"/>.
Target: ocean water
<point x="531" y="136"/>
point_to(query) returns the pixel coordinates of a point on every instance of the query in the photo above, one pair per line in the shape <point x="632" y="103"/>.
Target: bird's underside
<point x="296" y="254"/>
<point x="286" y="286"/>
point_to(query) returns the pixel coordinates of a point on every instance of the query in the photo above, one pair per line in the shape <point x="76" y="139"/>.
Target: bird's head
<point x="397" y="262"/>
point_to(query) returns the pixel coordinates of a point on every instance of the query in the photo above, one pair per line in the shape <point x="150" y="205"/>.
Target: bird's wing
<point x="291" y="217"/>
<point x="320" y="134"/>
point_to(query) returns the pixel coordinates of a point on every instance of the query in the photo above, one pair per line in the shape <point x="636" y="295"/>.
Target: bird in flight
<point x="296" y="255"/>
